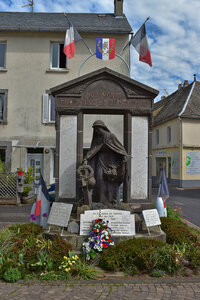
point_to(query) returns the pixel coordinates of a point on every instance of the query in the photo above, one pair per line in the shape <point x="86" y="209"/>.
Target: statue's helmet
<point x="100" y="123"/>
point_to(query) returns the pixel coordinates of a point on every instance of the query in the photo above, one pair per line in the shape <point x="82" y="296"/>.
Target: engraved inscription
<point x="93" y="101"/>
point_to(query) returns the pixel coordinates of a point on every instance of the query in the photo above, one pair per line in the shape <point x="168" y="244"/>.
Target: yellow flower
<point x="72" y="257"/>
<point x="65" y="257"/>
<point x="67" y="269"/>
<point x="60" y="267"/>
<point x="73" y="261"/>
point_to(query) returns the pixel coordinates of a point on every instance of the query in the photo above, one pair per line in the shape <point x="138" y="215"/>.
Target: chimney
<point x="118" y="4"/>
<point x="186" y="83"/>
<point x="195" y="77"/>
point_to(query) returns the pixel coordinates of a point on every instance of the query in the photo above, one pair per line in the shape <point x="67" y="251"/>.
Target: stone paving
<point x="106" y="289"/>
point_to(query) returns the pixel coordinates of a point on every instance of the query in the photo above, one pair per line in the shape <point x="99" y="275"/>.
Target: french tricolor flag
<point x="105" y="48"/>
<point x="71" y="37"/>
<point x="40" y="209"/>
<point x="140" y="42"/>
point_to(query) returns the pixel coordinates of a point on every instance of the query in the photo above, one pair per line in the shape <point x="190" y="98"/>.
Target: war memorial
<point x="111" y="177"/>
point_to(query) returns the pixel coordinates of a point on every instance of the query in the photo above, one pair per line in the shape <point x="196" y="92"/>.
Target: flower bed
<point x="24" y="253"/>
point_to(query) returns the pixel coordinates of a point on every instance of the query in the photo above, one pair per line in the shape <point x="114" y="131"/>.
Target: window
<point x="58" y="58"/>
<point x="168" y="134"/>
<point x="2" y="160"/>
<point x="2" y="55"/>
<point x="48" y="109"/>
<point x="3" y="155"/>
<point x="3" y="106"/>
<point x="157" y="136"/>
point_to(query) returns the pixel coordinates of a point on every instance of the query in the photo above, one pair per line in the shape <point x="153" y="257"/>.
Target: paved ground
<point x="112" y="290"/>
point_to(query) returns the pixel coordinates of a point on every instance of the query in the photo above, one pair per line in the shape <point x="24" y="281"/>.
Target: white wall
<point x="28" y="77"/>
<point x="175" y="135"/>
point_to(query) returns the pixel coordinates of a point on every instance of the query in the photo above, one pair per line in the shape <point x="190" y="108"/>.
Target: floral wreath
<point x="98" y="239"/>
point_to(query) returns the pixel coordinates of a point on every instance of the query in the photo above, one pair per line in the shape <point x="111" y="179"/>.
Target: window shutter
<point x="45" y="110"/>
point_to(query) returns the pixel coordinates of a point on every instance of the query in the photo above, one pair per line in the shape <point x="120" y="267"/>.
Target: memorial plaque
<point x="60" y="214"/>
<point x="121" y="222"/>
<point x="151" y="217"/>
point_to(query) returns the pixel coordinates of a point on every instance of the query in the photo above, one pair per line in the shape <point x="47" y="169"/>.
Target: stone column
<point x="127" y="145"/>
<point x="79" y="151"/>
<point x="139" y="158"/>
<point x="68" y="157"/>
<point x="150" y="158"/>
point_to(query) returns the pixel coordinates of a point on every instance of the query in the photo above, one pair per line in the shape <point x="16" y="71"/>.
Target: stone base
<point x="77" y="240"/>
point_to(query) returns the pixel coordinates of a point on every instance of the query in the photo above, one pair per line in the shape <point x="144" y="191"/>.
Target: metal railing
<point x="8" y="186"/>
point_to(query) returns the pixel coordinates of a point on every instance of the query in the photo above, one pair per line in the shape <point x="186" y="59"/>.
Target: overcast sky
<point x="173" y="34"/>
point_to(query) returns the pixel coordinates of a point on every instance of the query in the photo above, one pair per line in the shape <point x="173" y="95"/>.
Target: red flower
<point x="100" y="229"/>
<point x="95" y="230"/>
<point x="109" y="240"/>
<point x="100" y="220"/>
<point x="109" y="236"/>
<point x="105" y="246"/>
<point x="106" y="227"/>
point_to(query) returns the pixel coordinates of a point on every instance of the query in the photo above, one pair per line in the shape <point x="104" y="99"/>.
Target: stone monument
<point x="99" y="94"/>
<point x="90" y="178"/>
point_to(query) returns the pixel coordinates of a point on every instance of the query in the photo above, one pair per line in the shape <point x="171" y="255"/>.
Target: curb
<point x="117" y="281"/>
<point x="191" y="225"/>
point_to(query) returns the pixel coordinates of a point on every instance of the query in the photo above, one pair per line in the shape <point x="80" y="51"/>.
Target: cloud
<point x="173" y="33"/>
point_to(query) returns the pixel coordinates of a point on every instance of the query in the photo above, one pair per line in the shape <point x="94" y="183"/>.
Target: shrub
<point x="7" y="238"/>
<point x="143" y="254"/>
<point x="177" y="232"/>
<point x="6" y="264"/>
<point x="12" y="275"/>
<point x="59" y="249"/>
<point x="26" y="191"/>
<point x="183" y="238"/>
<point x="23" y="230"/>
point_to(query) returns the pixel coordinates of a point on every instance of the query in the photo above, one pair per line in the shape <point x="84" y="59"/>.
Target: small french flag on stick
<point x="71" y="37"/>
<point x="105" y="48"/>
<point x="140" y="42"/>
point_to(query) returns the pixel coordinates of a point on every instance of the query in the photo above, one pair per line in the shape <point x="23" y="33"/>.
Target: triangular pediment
<point x="130" y="87"/>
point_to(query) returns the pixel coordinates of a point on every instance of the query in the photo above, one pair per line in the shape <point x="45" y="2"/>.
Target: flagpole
<point x="129" y="43"/>
<point x="81" y="38"/>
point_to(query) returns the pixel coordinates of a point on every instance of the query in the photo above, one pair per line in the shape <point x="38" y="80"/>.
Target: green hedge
<point x="140" y="254"/>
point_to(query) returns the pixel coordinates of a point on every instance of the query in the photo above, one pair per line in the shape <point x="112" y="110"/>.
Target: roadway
<point x="187" y="199"/>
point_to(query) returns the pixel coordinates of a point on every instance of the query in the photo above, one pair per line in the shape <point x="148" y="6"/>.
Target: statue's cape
<point x="108" y="139"/>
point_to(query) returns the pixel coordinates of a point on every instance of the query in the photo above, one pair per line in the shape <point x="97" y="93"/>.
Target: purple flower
<point x="32" y="217"/>
<point x="45" y="215"/>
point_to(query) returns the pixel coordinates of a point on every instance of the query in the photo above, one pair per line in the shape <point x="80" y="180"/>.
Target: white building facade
<point x="31" y="62"/>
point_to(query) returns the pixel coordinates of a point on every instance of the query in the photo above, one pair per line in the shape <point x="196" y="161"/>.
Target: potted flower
<point x="25" y="194"/>
<point x="20" y="171"/>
